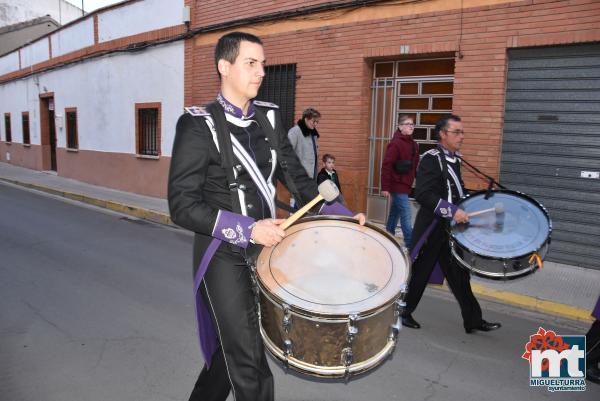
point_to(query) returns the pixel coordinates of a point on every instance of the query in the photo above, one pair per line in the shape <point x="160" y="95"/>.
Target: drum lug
<point x="395" y="328"/>
<point x="403" y="290"/>
<point x="287" y="318"/>
<point x="352" y="330"/>
<point x="347" y="357"/>
<point x="286" y="322"/>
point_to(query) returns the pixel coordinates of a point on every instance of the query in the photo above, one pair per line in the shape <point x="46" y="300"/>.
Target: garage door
<point x="551" y="143"/>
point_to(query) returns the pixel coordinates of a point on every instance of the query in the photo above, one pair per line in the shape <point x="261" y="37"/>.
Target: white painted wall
<point x="15" y="11"/>
<point x="35" y="53"/>
<point x="16" y="97"/>
<point x="105" y="91"/>
<point x="139" y="17"/>
<point x="74" y="37"/>
<point x="9" y="63"/>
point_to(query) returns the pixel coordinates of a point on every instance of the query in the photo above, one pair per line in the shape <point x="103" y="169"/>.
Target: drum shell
<point x="318" y="343"/>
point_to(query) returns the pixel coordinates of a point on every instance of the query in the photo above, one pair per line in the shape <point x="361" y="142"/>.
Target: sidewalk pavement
<point x="558" y="289"/>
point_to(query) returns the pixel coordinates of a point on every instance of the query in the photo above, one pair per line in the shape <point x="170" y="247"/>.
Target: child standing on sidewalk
<point x="328" y="173"/>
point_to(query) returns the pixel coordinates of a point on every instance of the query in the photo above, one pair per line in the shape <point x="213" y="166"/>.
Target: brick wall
<point x="334" y="58"/>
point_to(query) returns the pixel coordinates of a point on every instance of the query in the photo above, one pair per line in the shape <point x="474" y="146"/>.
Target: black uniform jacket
<point x="432" y="191"/>
<point x="198" y="185"/>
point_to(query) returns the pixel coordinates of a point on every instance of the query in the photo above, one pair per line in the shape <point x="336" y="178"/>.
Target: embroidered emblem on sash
<point x="234" y="236"/>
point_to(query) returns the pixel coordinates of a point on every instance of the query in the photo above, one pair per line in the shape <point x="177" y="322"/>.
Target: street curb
<point x="532" y="303"/>
<point x="527" y="302"/>
<point x="146" y="214"/>
<point x="506" y="297"/>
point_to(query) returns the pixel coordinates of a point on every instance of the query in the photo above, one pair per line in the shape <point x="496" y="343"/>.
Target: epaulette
<point x="433" y="152"/>
<point x="197" y="111"/>
<point x="265" y="104"/>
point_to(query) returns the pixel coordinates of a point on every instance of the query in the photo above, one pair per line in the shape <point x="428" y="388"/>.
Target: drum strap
<point x="445" y="175"/>
<point x="226" y="151"/>
<point x="270" y="133"/>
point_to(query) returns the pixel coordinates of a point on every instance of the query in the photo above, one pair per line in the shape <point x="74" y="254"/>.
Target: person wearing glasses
<point x="397" y="175"/>
<point x="438" y="189"/>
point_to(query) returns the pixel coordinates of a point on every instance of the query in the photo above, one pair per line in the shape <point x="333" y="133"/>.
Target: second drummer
<point x="439" y="187"/>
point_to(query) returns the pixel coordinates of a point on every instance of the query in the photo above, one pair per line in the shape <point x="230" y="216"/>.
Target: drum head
<point x="521" y="229"/>
<point x="333" y="266"/>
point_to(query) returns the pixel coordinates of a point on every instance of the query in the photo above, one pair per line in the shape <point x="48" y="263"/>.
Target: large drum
<point x="508" y="241"/>
<point x="331" y="296"/>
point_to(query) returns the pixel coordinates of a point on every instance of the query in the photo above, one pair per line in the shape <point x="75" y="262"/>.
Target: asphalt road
<point x="98" y="306"/>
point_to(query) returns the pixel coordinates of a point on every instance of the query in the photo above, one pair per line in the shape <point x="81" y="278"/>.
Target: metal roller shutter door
<point x="551" y="143"/>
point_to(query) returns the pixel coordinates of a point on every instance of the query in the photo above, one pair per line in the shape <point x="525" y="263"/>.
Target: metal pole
<point x="82" y="9"/>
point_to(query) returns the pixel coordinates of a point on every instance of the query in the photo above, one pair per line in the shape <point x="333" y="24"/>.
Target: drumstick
<point x="498" y="208"/>
<point x="327" y="191"/>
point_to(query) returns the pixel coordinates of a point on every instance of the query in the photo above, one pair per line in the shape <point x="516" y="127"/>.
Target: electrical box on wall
<point x="186" y="15"/>
<point x="58" y="119"/>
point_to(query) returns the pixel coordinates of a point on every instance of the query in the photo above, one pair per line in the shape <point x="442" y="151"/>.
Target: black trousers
<point x="437" y="249"/>
<point x="593" y="344"/>
<point x="239" y="364"/>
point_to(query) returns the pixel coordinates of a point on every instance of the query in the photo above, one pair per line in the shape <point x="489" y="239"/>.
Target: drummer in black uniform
<point x="225" y="162"/>
<point x="439" y="187"/>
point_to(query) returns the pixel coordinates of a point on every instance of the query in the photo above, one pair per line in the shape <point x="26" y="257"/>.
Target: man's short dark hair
<point x="311" y="113"/>
<point x="442" y="124"/>
<point x="228" y="46"/>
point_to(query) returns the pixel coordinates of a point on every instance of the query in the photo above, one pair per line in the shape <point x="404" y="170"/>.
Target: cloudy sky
<point x="91" y="5"/>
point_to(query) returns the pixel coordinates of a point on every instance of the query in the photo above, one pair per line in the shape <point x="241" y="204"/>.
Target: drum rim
<point x="495" y="276"/>
<point x="400" y="294"/>
<point x="454" y="240"/>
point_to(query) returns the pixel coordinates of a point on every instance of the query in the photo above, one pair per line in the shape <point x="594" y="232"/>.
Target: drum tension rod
<point x="286" y="322"/>
<point x="395" y="328"/>
<point x="351" y="333"/>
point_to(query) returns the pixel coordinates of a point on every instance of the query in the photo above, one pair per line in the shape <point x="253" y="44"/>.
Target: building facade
<point x="524" y="81"/>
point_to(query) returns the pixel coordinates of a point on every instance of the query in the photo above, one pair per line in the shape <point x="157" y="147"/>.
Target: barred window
<point x="7" y="130"/>
<point x="148" y="128"/>
<point x="25" y="122"/>
<point x="279" y="87"/>
<point x="71" y="121"/>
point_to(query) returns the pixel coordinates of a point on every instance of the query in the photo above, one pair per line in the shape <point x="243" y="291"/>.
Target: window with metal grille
<point x="422" y="89"/>
<point x="7" y="130"/>
<point x="148" y="129"/>
<point x="279" y="87"/>
<point x="25" y="122"/>
<point x="71" y="117"/>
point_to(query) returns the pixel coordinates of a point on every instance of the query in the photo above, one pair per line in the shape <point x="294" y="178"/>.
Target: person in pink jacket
<point x="397" y="175"/>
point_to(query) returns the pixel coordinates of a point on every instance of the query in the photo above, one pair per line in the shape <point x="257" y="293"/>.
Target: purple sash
<point x="206" y="329"/>
<point x="596" y="311"/>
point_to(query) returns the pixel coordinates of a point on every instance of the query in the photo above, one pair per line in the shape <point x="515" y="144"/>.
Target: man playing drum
<point x="439" y="187"/>
<point x="222" y="186"/>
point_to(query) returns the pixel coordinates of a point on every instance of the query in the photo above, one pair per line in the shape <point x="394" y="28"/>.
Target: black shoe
<point x="484" y="326"/>
<point x="593" y="374"/>
<point x="408" y="321"/>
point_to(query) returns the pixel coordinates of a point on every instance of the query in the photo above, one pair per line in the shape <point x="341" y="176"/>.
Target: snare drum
<point x="330" y="296"/>
<point x="505" y="243"/>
